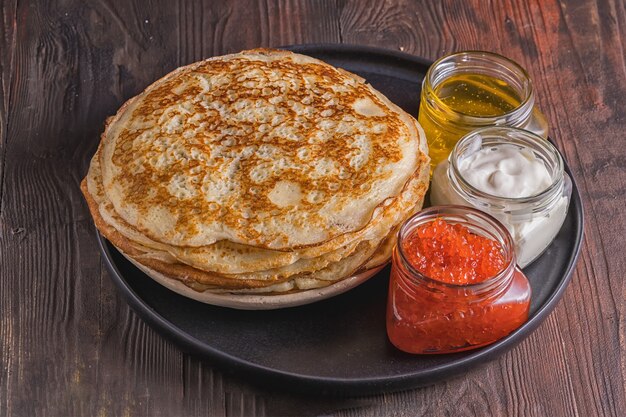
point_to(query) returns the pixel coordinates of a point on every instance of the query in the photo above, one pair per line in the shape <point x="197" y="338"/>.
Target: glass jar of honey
<point x="472" y="295"/>
<point x="468" y="90"/>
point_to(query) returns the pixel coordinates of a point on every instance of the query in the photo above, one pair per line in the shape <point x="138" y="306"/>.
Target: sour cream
<point x="515" y="176"/>
<point x="506" y="171"/>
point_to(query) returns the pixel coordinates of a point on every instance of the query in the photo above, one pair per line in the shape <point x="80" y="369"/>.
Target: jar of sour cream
<point x="514" y="175"/>
<point x="474" y="89"/>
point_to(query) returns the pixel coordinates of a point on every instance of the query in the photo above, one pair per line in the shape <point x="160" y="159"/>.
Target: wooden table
<point x="69" y="344"/>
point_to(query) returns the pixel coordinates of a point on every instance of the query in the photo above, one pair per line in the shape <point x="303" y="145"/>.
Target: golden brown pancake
<point x="265" y="148"/>
<point x="263" y="171"/>
<point x="226" y="257"/>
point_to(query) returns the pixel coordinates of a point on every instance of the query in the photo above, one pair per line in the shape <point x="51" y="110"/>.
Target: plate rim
<point x="361" y="385"/>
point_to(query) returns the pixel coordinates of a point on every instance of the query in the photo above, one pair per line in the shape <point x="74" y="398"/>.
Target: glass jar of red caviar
<point x="449" y="314"/>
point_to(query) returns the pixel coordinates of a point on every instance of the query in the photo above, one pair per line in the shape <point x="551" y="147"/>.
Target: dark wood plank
<point x="8" y="312"/>
<point x="7" y="51"/>
<point x="69" y="343"/>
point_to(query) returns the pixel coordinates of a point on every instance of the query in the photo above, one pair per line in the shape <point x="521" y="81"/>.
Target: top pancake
<point x="264" y="148"/>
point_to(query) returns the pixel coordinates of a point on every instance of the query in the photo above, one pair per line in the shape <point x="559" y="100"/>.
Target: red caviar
<point x="452" y="253"/>
<point x="451" y="288"/>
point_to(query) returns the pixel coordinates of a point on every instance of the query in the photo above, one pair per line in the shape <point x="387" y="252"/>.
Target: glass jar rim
<point x="521" y="112"/>
<point x="454" y="211"/>
<point x="521" y="138"/>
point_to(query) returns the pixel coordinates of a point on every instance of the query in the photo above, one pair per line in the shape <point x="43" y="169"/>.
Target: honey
<point x="478" y="95"/>
<point x="469" y="90"/>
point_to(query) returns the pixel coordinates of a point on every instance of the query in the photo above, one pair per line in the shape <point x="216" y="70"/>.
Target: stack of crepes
<point x="259" y="172"/>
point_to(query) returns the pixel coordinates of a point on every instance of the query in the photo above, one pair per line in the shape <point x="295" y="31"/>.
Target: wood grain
<point x="7" y="51"/>
<point x="71" y="346"/>
<point x="8" y="312"/>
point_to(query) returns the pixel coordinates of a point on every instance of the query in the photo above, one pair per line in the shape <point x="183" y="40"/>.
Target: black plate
<point x="338" y="345"/>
